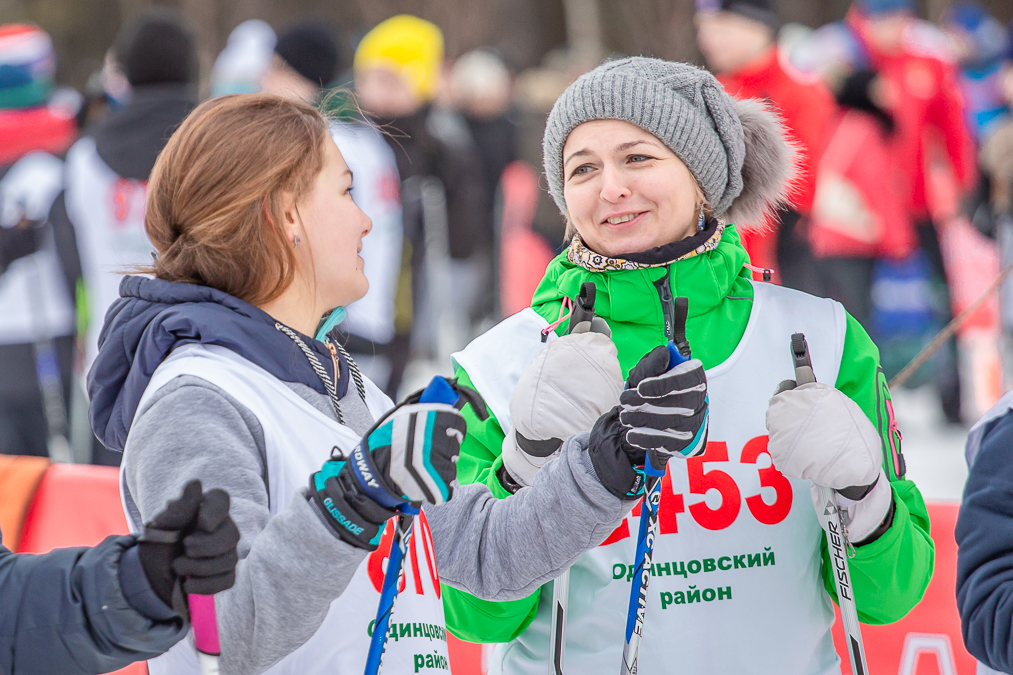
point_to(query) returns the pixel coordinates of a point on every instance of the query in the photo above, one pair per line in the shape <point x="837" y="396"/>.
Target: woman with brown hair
<point x="209" y="370"/>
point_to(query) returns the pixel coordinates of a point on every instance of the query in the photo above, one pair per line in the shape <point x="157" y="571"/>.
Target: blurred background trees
<point x="523" y="30"/>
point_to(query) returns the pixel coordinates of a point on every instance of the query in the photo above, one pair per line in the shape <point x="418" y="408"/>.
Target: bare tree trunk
<point x="661" y="28"/>
<point x="583" y="30"/>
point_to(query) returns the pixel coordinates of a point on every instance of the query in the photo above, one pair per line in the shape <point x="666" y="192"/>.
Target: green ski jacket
<point x="890" y="574"/>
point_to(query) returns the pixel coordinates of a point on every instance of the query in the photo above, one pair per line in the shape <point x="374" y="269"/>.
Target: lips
<point x="623" y="220"/>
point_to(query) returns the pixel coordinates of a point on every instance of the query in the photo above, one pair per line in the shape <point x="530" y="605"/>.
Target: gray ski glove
<point x="572" y="382"/>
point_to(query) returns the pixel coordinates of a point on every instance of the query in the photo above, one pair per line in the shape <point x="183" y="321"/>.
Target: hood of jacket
<point x="152" y="317"/>
<point x="129" y="140"/>
<point x="718" y="287"/>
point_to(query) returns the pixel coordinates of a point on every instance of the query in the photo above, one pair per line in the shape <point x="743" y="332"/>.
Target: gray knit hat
<point x="736" y="150"/>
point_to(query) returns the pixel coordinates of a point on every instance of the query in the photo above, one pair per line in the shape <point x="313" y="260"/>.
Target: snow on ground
<point x="933" y="449"/>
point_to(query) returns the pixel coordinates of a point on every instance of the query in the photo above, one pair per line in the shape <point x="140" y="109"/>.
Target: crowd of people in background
<point x="902" y="127"/>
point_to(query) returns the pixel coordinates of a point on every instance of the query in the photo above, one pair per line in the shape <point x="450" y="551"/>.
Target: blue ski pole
<point x="679" y="352"/>
<point x="438" y="391"/>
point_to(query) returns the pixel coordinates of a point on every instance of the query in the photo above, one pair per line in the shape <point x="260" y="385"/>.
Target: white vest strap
<point x="495" y="360"/>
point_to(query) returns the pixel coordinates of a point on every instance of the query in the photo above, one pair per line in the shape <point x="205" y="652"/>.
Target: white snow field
<point x="933" y="449"/>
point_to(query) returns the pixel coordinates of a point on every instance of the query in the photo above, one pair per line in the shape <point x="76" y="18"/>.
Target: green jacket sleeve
<point x="468" y="617"/>
<point x="890" y="574"/>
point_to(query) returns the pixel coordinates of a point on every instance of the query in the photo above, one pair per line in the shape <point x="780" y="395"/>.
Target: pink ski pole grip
<point x="205" y="624"/>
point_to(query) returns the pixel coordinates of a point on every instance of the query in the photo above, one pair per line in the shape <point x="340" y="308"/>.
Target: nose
<point x="613" y="185"/>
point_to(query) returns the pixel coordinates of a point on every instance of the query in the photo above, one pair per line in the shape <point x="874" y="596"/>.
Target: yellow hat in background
<point x="409" y="46"/>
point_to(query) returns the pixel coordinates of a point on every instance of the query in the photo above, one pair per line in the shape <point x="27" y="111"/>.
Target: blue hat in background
<point x="987" y="39"/>
<point x="876" y="7"/>
<point x="27" y="66"/>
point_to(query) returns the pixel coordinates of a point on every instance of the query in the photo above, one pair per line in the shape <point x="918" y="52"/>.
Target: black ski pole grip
<point x="583" y="306"/>
<point x="800" y="356"/>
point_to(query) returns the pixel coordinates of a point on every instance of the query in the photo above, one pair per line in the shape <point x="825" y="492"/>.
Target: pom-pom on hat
<point x="27" y="66"/>
<point x="736" y="150"/>
<point x="409" y="46"/>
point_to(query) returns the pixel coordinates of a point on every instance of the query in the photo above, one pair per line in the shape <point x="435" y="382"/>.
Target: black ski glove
<point x="666" y="411"/>
<point x="386" y="471"/>
<point x="614" y="460"/>
<point x="190" y="547"/>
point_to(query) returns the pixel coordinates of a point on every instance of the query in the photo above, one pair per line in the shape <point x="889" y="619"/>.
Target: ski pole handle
<point x="205" y="632"/>
<point x="439" y="391"/>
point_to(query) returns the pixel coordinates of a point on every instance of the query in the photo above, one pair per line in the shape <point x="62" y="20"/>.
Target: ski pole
<point x="438" y="391"/>
<point x="204" y="620"/>
<point x="947" y="332"/>
<point x="829" y="515"/>
<point x="583" y="310"/>
<point x="679" y="352"/>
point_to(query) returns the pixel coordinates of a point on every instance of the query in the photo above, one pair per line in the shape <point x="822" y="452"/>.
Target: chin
<point x="635" y="243"/>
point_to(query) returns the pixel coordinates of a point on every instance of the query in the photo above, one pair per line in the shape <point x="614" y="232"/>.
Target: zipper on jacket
<point x="667" y="305"/>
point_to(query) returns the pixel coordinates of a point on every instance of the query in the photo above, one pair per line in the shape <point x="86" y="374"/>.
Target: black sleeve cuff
<point x="883" y="526"/>
<point x="507" y="481"/>
<point x="137" y="590"/>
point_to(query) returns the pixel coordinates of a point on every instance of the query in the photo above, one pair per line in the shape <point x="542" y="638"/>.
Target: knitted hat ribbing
<point x="736" y="150"/>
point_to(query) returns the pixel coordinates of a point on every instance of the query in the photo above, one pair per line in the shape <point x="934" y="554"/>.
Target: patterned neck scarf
<point x="579" y="254"/>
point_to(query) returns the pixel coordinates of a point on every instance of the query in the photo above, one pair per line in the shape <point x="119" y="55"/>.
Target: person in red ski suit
<point x="859" y="210"/>
<point x="925" y="100"/>
<point x="738" y="41"/>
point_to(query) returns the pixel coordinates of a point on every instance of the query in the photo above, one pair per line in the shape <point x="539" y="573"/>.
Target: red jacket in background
<point x="804" y="104"/>
<point x="859" y="208"/>
<point x="928" y="108"/>
<point x="807" y="109"/>
<point x="40" y="128"/>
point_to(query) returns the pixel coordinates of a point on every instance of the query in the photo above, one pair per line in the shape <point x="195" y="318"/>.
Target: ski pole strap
<point x="679" y="340"/>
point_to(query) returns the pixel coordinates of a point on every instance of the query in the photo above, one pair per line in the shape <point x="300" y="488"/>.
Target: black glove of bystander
<point x="190" y="547"/>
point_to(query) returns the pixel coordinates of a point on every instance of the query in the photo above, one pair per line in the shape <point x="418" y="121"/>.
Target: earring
<point x="702" y="222"/>
<point x="296" y="241"/>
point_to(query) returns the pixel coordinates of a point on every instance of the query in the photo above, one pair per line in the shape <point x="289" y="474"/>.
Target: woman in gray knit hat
<point x="656" y="170"/>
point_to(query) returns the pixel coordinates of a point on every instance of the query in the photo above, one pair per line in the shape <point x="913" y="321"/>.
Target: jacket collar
<point x="152" y="317"/>
<point x="631" y="296"/>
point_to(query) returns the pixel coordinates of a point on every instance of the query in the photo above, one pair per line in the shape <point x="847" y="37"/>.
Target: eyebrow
<point x="579" y="153"/>
<point x="631" y="144"/>
<point x="622" y="147"/>
<point x="351" y="175"/>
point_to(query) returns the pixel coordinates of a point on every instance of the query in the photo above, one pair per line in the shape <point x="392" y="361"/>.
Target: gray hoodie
<point x="292" y="566"/>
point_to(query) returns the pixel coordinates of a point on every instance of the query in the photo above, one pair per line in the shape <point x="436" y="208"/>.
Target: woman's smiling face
<point x="625" y="190"/>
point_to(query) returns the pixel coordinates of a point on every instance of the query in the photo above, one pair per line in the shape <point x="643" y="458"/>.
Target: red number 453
<point x="703" y="478"/>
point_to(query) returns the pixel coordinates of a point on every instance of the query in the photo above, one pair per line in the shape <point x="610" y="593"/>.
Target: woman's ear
<point x="291" y="224"/>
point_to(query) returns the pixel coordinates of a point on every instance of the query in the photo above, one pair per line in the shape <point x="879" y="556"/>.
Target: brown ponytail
<point x="214" y="198"/>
